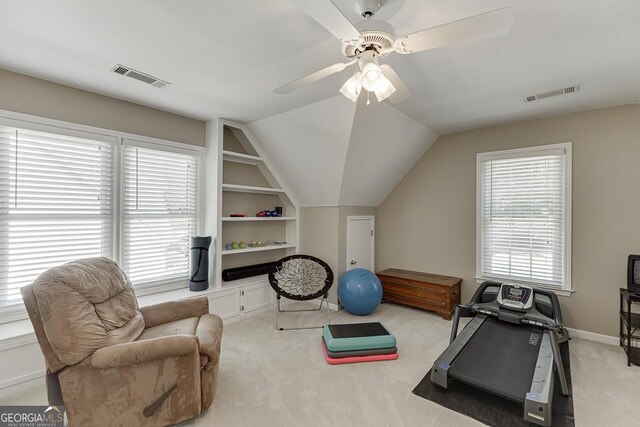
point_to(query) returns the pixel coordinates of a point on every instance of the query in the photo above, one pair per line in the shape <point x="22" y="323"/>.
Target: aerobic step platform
<point x="357" y="336"/>
<point x="354" y="353"/>
<point x="356" y="359"/>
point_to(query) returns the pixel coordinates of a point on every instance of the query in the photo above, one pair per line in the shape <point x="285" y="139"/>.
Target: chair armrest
<point x="144" y="351"/>
<point x="171" y="311"/>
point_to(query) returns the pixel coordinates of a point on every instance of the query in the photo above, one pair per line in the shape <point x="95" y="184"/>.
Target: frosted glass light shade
<point x="352" y="87"/>
<point x="383" y="88"/>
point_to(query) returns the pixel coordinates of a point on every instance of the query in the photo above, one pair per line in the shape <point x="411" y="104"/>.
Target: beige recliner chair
<point x="111" y="363"/>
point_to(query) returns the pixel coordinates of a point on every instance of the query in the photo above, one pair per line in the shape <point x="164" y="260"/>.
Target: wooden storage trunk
<point x="433" y="292"/>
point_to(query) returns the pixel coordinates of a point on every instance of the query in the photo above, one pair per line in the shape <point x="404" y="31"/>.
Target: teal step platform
<point x="357" y="336"/>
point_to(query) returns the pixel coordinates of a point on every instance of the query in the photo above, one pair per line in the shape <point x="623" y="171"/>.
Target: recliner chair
<point x="111" y="363"/>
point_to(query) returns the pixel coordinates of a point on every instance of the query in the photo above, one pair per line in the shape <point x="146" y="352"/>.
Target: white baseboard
<point x="592" y="336"/>
<point x="18" y="385"/>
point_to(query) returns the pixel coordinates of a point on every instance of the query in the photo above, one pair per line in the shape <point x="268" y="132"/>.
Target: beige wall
<point x="29" y="95"/>
<point x="428" y="222"/>
<point x="319" y="237"/>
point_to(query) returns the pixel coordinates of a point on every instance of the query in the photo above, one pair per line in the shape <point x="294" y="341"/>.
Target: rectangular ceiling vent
<point x="557" y="92"/>
<point x="140" y="76"/>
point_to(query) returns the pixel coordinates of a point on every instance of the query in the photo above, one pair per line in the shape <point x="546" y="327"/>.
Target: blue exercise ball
<point x="359" y="291"/>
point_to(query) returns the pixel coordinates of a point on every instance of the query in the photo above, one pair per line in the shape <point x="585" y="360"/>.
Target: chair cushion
<point x="208" y="329"/>
<point x="179" y="327"/>
<point x="86" y="305"/>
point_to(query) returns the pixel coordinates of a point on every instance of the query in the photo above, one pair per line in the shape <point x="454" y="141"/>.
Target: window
<point x="67" y="194"/>
<point x="160" y="201"/>
<point x="524" y="216"/>
<point x="56" y="204"/>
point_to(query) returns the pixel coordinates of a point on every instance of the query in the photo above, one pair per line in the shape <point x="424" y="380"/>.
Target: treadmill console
<point x="515" y="297"/>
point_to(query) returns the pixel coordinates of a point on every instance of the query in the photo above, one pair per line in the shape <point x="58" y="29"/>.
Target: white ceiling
<point x="356" y="158"/>
<point x="224" y="58"/>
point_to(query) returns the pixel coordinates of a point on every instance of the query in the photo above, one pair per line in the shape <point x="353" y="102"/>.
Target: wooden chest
<point x="433" y="292"/>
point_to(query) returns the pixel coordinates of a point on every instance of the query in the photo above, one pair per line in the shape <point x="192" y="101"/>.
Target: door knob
<point x="353" y="262"/>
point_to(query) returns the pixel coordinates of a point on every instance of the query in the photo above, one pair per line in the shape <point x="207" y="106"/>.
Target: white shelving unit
<point x="245" y="183"/>
<point x="257" y="249"/>
<point x="255" y="218"/>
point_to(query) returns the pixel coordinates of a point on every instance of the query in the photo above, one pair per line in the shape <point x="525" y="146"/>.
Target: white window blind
<point x="523" y="216"/>
<point x="160" y="213"/>
<point x="56" y="204"/>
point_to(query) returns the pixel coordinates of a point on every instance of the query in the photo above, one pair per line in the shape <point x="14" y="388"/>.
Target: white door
<point x="360" y="242"/>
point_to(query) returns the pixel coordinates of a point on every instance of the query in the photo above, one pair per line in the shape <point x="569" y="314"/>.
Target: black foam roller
<point x="247" y="271"/>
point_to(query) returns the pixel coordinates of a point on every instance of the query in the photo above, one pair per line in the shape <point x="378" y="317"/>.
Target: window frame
<point x="42" y="124"/>
<point x="567" y="288"/>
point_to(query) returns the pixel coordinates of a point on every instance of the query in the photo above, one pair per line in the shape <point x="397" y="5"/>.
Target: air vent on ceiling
<point x="563" y="91"/>
<point x="138" y="75"/>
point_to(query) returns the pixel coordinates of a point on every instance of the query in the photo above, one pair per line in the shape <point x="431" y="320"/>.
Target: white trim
<point x="17" y="341"/>
<point x="33" y="122"/>
<point x="593" y="336"/>
<point x="169" y="146"/>
<point x="373" y="238"/>
<point x="22" y="384"/>
<point x="565" y="148"/>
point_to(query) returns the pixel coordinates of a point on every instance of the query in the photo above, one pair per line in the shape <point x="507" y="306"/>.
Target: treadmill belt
<point x="499" y="358"/>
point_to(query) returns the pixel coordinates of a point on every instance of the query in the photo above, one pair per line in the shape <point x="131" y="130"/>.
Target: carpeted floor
<point x="271" y="378"/>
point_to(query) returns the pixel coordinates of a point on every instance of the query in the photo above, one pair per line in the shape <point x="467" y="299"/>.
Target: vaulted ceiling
<point x="223" y="58"/>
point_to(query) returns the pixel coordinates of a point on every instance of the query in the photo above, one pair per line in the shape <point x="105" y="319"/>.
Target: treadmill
<point x="509" y="348"/>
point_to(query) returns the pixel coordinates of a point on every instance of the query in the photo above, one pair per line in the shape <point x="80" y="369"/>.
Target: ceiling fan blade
<point x="325" y="13"/>
<point x="313" y="77"/>
<point x="402" y="93"/>
<point x="485" y="25"/>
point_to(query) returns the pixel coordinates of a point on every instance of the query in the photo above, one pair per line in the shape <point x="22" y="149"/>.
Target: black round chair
<point x="301" y="278"/>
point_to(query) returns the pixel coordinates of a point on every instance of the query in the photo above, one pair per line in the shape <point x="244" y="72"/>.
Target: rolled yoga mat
<point x="199" y="272"/>
<point x="247" y="271"/>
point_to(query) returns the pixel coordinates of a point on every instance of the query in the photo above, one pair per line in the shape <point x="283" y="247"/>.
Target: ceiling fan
<point x="369" y="41"/>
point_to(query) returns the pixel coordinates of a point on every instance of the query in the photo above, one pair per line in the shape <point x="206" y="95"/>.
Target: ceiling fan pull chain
<point x="368" y="101"/>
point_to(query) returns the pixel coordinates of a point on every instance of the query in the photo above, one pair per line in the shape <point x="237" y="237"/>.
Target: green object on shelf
<point x="234" y="245"/>
<point x="242" y="245"/>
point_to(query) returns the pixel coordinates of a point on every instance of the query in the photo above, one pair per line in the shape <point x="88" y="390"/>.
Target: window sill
<point x="559" y="292"/>
<point x="20" y="332"/>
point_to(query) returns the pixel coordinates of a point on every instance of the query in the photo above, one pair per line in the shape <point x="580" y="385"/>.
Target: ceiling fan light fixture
<point x="352" y="87"/>
<point x="371" y="75"/>
<point x="383" y="88"/>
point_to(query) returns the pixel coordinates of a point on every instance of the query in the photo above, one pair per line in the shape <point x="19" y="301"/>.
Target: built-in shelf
<point x="246" y="281"/>
<point x="232" y="156"/>
<point x="257" y="218"/>
<point x="251" y="189"/>
<point x="257" y="249"/>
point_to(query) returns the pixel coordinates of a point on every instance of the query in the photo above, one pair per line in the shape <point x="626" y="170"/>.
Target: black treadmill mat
<point x="493" y="410"/>
<point x="500" y="358"/>
<point x="353" y="330"/>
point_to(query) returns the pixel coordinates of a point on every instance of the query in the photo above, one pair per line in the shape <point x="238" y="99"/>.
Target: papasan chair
<point x="301" y="278"/>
